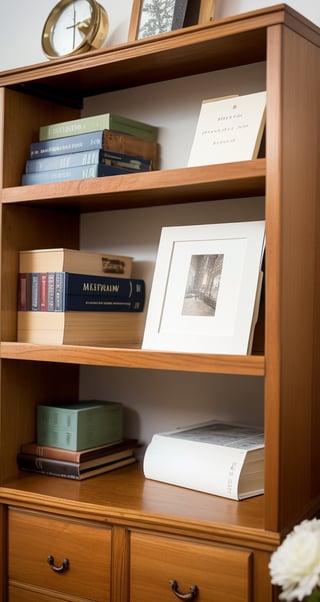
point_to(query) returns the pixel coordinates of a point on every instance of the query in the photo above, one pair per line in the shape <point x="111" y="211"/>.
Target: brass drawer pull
<point x="193" y="591"/>
<point x="58" y="569"/>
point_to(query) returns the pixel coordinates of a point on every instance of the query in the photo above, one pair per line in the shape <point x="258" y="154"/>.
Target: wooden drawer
<point x="33" y="537"/>
<point x="19" y="594"/>
<point x="221" y="574"/>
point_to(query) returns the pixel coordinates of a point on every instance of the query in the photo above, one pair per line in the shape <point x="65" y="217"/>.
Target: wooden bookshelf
<point x="121" y="510"/>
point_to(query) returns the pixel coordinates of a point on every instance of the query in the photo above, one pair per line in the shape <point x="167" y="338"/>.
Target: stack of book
<point x="90" y="147"/>
<point x="78" y="441"/>
<point x="78" y="297"/>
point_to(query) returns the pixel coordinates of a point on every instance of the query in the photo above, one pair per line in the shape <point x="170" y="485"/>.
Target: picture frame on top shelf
<point x="175" y="14"/>
<point x="206" y="288"/>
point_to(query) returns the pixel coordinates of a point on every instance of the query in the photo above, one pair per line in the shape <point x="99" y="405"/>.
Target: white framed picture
<point x="205" y="290"/>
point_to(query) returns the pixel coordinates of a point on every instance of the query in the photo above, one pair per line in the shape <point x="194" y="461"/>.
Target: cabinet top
<point x="218" y="44"/>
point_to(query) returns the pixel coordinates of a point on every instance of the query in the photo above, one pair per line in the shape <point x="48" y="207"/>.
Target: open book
<point x="216" y="457"/>
<point x="229" y="129"/>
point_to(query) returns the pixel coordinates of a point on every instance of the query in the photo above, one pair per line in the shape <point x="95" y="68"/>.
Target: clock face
<point x="74" y="26"/>
<point x="71" y="27"/>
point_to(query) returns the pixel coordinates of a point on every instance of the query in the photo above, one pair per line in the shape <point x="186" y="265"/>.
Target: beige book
<point x="75" y="261"/>
<point x="107" y="329"/>
<point x="229" y="129"/>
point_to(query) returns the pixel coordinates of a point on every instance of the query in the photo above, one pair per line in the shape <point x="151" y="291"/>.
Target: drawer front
<point x="17" y="594"/>
<point x="33" y="537"/>
<point x="220" y="574"/>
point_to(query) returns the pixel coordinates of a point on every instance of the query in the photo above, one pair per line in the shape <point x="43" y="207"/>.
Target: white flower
<point x="295" y="565"/>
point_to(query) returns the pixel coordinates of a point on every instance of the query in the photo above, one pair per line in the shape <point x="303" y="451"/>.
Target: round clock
<point x="73" y="27"/>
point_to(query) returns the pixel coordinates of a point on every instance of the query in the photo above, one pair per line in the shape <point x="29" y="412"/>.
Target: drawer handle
<point x="193" y="591"/>
<point x="58" y="569"/>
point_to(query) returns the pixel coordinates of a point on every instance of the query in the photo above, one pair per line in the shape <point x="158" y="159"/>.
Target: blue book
<point x="97" y="293"/>
<point x="89" y="157"/>
<point x="101" y="139"/>
<point x="98" y="303"/>
<point x="82" y="172"/>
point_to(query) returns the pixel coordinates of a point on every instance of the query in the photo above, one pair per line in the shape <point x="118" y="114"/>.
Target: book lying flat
<point x="83" y="172"/>
<point x="89" y="157"/>
<point x="84" y="455"/>
<point x="108" y="121"/>
<point x="101" y="139"/>
<point x="107" y="329"/>
<point x="76" y="261"/>
<point x="229" y="129"/>
<point x="217" y="458"/>
<point x="69" y="470"/>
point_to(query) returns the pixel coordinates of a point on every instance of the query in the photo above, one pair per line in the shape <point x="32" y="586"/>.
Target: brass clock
<point x="73" y="27"/>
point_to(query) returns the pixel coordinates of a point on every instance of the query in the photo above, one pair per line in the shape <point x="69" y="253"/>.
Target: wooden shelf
<point x="209" y="182"/>
<point x="175" y="54"/>
<point x="126" y="497"/>
<point x="136" y="358"/>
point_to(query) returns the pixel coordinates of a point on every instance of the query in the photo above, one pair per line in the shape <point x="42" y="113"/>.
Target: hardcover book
<point x="217" y="458"/>
<point x="83" y="172"/>
<point x="82" y="456"/>
<point x="107" y="121"/>
<point x="101" y="139"/>
<point x="105" y="329"/>
<point x="70" y="288"/>
<point x="104" y="157"/>
<point x="70" y="470"/>
<point x="229" y="129"/>
<point x="80" y="425"/>
<point x="76" y="261"/>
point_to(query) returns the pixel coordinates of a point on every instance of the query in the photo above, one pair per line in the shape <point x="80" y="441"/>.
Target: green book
<point x="107" y="121"/>
<point x="80" y="425"/>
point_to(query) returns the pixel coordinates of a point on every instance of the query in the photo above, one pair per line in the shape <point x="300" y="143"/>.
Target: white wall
<point x="21" y="24"/>
<point x="155" y="400"/>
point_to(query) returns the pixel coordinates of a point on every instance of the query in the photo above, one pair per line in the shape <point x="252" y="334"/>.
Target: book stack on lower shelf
<point x="218" y="458"/>
<point x="90" y="147"/>
<point x="78" y="441"/>
<point x="66" y="296"/>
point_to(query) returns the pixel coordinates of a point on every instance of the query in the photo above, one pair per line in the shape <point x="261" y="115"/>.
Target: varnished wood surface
<point x="125" y="497"/>
<point x="209" y="182"/>
<point x="179" y="53"/>
<point x="136" y="358"/>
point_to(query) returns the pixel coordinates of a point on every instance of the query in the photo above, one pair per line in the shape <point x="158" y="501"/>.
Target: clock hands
<point x="81" y="25"/>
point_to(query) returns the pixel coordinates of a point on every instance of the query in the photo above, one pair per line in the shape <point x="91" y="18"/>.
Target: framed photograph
<point x="205" y="291"/>
<point x="152" y="17"/>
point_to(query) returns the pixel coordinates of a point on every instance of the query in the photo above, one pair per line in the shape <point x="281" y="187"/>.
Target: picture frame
<point x="206" y="288"/>
<point x="181" y="13"/>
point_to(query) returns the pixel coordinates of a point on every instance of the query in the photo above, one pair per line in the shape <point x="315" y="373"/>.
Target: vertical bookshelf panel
<point x="23" y="386"/>
<point x="29" y="228"/>
<point x="24" y="114"/>
<point x="292" y="382"/>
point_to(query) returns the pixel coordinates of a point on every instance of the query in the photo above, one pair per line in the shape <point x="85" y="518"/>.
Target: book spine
<point x="85" y="303"/>
<point x="68" y="455"/>
<point x="24" y="292"/>
<point x="109" y="287"/>
<point x="102" y="139"/>
<point x="107" y="121"/>
<point x="48" y="466"/>
<point x="67" y="470"/>
<point x="43" y="291"/>
<point x="67" y="145"/>
<point x="82" y="172"/>
<point x="63" y="161"/>
<point x="89" y="157"/>
<point x="35" y="292"/>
